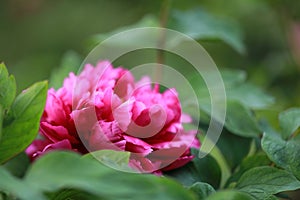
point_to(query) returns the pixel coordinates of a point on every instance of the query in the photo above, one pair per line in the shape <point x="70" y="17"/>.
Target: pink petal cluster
<point x="104" y="108"/>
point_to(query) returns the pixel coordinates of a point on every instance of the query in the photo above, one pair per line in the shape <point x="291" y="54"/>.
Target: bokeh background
<point x="35" y="34"/>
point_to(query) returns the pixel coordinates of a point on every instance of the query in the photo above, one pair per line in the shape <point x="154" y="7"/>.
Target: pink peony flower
<point x="104" y="108"/>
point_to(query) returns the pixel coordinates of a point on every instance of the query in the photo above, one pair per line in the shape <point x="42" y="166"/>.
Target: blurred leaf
<point x="7" y="87"/>
<point x="233" y="77"/>
<point x="230" y="195"/>
<point x="240" y="121"/>
<point x="219" y="158"/>
<point x="70" y="63"/>
<point x="261" y="182"/>
<point x="17" y="187"/>
<point x="201" y="25"/>
<point x="203" y="190"/>
<point x="71" y="194"/>
<point x="59" y="170"/>
<point x="233" y="147"/>
<point x="1" y="120"/>
<point x="271" y="197"/>
<point x="18" y="165"/>
<point x="289" y="121"/>
<point x="241" y="98"/>
<point x="198" y="170"/>
<point x="250" y="96"/>
<point x="114" y="159"/>
<point x="283" y="153"/>
<point x="146" y="21"/>
<point x="248" y="163"/>
<point x="23" y="120"/>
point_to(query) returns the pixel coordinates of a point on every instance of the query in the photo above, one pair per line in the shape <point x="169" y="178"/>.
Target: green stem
<point x="164" y="13"/>
<point x="219" y="157"/>
<point x="295" y="134"/>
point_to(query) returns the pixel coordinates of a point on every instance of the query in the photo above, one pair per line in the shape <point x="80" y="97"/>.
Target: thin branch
<point x="164" y="14"/>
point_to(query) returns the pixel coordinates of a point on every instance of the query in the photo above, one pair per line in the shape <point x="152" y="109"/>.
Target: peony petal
<point x="84" y="120"/>
<point x="178" y="163"/>
<point x="64" y="144"/>
<point x="106" y="135"/>
<point x="137" y="145"/>
<point x="185" y="118"/>
<point x="143" y="165"/>
<point x="123" y="114"/>
<point x="61" y="145"/>
<point x="124" y="84"/>
<point x="54" y="108"/>
<point x="36" y="146"/>
<point x="56" y="133"/>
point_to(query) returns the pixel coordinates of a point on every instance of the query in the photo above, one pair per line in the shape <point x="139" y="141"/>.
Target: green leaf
<point x="146" y="21"/>
<point x="240" y="120"/>
<point x="233" y="147"/>
<point x="18" y="165"/>
<point x="17" y="187"/>
<point x="7" y="87"/>
<point x="271" y="197"/>
<point x="232" y="78"/>
<point x="1" y="120"/>
<point x="250" y="96"/>
<point x="21" y="125"/>
<point x="283" y="153"/>
<point x="115" y="159"/>
<point x="241" y="98"/>
<point x="261" y="182"/>
<point x="248" y="163"/>
<point x="72" y="195"/>
<point x="289" y="121"/>
<point x="60" y="170"/>
<point x="70" y="63"/>
<point x="219" y="158"/>
<point x="201" y="25"/>
<point x="203" y="190"/>
<point x="198" y="170"/>
<point x="230" y="195"/>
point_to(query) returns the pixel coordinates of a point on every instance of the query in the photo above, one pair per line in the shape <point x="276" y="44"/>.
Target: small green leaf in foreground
<point x="22" y="123"/>
<point x="283" y="153"/>
<point x="7" y="87"/>
<point x="18" y="165"/>
<point x="256" y="160"/>
<point x="198" y="170"/>
<point x="60" y="170"/>
<point x="115" y="159"/>
<point x="203" y="190"/>
<point x="262" y="182"/>
<point x="240" y="120"/>
<point x="289" y="121"/>
<point x="17" y="187"/>
<point x="1" y="120"/>
<point x="71" y="194"/>
<point x="230" y="195"/>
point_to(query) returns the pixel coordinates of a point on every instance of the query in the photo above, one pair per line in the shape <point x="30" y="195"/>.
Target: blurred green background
<point x="35" y="34"/>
